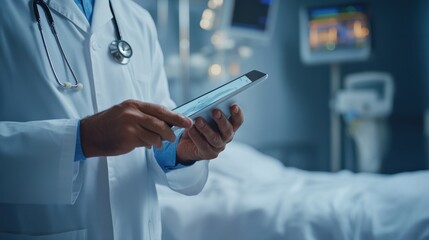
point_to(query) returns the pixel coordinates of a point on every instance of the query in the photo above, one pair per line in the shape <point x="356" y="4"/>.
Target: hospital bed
<point x="250" y="195"/>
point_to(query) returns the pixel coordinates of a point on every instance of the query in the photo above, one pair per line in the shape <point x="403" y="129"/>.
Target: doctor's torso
<point x="27" y="75"/>
<point x="117" y="197"/>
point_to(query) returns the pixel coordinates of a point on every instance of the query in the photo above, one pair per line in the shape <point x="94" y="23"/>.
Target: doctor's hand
<point x="202" y="142"/>
<point x="128" y="125"/>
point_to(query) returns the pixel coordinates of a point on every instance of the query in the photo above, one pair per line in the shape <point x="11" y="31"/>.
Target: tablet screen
<point x="206" y="100"/>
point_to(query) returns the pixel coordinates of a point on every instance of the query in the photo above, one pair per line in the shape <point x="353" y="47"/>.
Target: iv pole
<point x="335" y="123"/>
<point x="184" y="50"/>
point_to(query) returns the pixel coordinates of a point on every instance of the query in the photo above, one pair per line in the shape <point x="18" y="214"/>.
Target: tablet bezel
<point x="254" y="76"/>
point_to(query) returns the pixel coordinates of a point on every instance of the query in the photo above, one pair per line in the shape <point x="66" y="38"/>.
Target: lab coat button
<point x="95" y="46"/>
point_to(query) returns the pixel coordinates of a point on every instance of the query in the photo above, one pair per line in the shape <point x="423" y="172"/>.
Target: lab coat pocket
<point x="73" y="235"/>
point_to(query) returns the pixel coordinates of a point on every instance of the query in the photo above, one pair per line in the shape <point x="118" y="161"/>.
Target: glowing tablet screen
<point x="190" y="108"/>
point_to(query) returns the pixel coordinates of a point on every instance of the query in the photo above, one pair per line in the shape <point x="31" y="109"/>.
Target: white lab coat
<point x="43" y="192"/>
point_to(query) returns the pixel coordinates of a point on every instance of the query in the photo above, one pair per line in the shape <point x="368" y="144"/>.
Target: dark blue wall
<point x="399" y="50"/>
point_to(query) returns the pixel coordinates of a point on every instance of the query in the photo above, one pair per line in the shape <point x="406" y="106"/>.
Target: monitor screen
<point x="250" y="19"/>
<point x="336" y="33"/>
<point x="252" y="14"/>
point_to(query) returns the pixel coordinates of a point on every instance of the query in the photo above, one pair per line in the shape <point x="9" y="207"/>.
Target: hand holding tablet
<point x="219" y="98"/>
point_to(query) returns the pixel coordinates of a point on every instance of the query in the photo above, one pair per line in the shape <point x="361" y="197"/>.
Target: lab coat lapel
<point x="101" y="14"/>
<point x="71" y="11"/>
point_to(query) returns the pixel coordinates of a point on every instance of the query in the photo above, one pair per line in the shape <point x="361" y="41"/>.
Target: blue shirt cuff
<point x="78" y="153"/>
<point x="166" y="156"/>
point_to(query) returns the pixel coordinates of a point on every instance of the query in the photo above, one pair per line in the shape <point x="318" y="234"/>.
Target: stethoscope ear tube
<point x="67" y="85"/>
<point x="45" y="9"/>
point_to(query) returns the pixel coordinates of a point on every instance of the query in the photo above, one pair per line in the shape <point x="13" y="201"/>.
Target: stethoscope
<point x="120" y="50"/>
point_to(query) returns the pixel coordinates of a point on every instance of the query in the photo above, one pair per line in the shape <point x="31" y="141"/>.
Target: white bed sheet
<point x="250" y="195"/>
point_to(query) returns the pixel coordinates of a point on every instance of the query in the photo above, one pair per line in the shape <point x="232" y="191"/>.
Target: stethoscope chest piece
<point x="121" y="51"/>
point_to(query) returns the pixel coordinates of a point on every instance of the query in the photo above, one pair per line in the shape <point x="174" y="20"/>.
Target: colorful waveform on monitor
<point x="338" y="27"/>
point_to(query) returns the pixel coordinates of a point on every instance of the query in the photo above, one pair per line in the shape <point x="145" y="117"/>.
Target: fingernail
<point x="216" y="114"/>
<point x="187" y="119"/>
<point x="199" y="123"/>
<point x="235" y="109"/>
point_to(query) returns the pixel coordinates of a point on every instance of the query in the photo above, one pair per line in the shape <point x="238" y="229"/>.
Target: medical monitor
<point x="250" y="19"/>
<point x="335" y="33"/>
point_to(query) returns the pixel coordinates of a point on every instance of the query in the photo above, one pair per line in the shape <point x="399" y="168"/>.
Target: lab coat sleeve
<point x="189" y="180"/>
<point x="37" y="162"/>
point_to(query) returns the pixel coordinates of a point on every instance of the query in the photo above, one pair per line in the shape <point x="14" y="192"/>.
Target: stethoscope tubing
<point x="120" y="50"/>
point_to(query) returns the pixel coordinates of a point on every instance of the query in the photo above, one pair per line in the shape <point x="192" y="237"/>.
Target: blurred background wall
<point x="288" y="115"/>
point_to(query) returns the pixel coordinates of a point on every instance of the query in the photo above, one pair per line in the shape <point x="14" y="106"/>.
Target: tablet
<point x="220" y="98"/>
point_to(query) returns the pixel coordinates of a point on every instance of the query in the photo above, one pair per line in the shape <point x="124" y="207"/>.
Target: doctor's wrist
<point x="87" y="139"/>
<point x="184" y="162"/>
